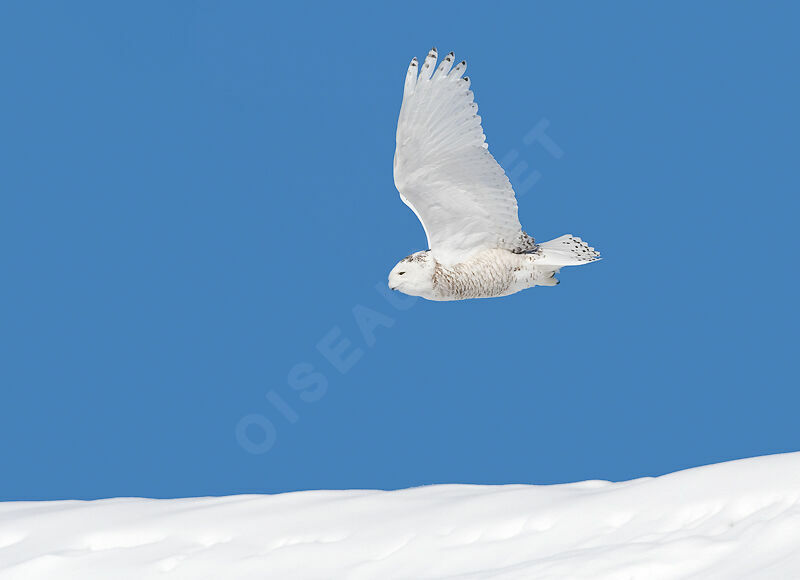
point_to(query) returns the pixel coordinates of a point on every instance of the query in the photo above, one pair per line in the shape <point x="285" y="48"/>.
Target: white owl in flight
<point x="446" y="175"/>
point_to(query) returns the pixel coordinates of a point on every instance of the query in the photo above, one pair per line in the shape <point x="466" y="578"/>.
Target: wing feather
<point x="443" y="169"/>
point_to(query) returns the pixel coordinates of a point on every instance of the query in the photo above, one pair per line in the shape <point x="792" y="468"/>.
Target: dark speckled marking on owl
<point x="417" y="257"/>
<point x="525" y="244"/>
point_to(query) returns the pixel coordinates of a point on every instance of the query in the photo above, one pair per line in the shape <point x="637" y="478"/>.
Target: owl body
<point x="489" y="273"/>
<point x="463" y="198"/>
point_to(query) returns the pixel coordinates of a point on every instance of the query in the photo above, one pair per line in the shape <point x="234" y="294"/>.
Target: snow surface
<point x="739" y="519"/>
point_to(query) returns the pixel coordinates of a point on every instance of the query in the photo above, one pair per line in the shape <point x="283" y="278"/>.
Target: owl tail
<point x="566" y="251"/>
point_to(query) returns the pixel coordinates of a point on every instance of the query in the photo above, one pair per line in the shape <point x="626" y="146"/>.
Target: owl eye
<point x="400" y="273"/>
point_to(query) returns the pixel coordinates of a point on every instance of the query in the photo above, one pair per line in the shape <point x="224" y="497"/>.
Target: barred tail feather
<point x="567" y="250"/>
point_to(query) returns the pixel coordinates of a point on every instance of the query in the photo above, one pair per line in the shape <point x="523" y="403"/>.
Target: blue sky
<point x="197" y="206"/>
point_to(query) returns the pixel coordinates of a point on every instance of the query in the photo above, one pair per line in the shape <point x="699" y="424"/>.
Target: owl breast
<point x="488" y="274"/>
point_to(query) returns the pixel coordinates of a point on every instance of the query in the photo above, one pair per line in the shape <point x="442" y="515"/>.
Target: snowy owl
<point x="446" y="175"/>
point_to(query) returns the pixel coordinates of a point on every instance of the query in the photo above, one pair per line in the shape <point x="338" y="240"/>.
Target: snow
<point x="739" y="519"/>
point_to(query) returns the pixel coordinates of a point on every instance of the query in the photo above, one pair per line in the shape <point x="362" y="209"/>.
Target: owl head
<point x="413" y="275"/>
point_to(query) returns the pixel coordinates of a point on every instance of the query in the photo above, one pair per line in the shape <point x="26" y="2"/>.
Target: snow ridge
<point x="739" y="519"/>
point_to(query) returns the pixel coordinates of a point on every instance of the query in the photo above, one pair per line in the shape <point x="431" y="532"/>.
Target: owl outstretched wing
<point x="443" y="169"/>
